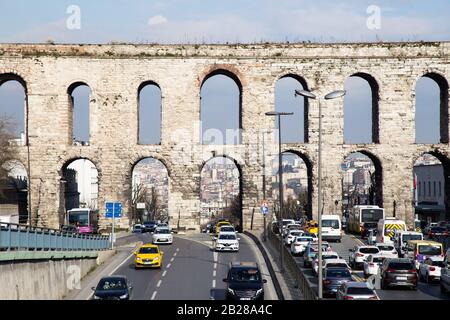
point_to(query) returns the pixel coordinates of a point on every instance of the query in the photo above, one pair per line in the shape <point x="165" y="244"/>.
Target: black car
<point x="112" y="288"/>
<point x="333" y="278"/>
<point x="244" y="281"/>
<point x="398" y="272"/>
<point x="149" y="226"/>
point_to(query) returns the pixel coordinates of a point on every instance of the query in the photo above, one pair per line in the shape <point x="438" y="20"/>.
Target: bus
<point x="360" y="215"/>
<point x="84" y="219"/>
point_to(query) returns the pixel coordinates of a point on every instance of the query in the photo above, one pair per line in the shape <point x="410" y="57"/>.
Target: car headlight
<point x="231" y="291"/>
<point x="137" y="258"/>
<point x="156" y="259"/>
<point x="124" y="296"/>
<point x="259" y="291"/>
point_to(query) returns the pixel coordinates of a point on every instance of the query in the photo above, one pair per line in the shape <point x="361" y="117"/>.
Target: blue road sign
<point x="115" y="207"/>
<point x="265" y="210"/>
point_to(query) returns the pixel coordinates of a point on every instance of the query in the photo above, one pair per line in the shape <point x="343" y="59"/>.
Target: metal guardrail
<point x="293" y="268"/>
<point x="22" y="237"/>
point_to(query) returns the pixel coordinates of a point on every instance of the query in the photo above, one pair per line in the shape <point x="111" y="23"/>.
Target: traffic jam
<point x="368" y="256"/>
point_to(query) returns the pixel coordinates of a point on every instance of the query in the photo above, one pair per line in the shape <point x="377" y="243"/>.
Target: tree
<point x="233" y="211"/>
<point x="142" y="194"/>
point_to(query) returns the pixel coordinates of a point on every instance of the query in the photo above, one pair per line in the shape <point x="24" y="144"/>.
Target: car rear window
<point x="301" y="239"/>
<point x="401" y="266"/>
<point x="330" y="257"/>
<point x="369" y="250"/>
<point x="362" y="291"/>
<point x="338" y="273"/>
<point x="430" y="250"/>
<point x="336" y="265"/>
<point x="386" y="248"/>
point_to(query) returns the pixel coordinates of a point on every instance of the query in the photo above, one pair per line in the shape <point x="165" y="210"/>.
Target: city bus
<point x="84" y="219"/>
<point x="364" y="215"/>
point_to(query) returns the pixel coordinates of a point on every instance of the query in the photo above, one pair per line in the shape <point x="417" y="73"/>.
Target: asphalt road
<point x="191" y="270"/>
<point x="424" y="291"/>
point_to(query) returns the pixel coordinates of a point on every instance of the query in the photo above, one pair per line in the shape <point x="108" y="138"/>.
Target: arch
<point x="237" y="201"/>
<point x="443" y="85"/>
<point x="79" y="119"/>
<point x="237" y="123"/>
<point x="309" y="171"/>
<point x="79" y="187"/>
<point x="15" y="188"/>
<point x="150" y="184"/>
<point x="375" y="97"/>
<point x="24" y="114"/>
<point x="304" y="136"/>
<point x="151" y="116"/>
<point x="423" y="194"/>
<point x="376" y="186"/>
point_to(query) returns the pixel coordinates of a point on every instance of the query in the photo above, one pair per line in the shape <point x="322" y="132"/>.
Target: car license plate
<point x="246" y="299"/>
<point x="148" y="262"/>
<point x="162" y="240"/>
<point x="402" y="278"/>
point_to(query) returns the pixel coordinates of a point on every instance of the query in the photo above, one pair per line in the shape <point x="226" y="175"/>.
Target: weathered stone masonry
<point x="115" y="72"/>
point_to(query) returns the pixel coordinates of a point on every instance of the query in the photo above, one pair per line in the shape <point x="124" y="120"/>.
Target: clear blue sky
<point x="201" y="21"/>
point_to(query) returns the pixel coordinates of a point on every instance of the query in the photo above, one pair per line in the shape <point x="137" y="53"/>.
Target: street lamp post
<point x="329" y="96"/>
<point x="280" y="174"/>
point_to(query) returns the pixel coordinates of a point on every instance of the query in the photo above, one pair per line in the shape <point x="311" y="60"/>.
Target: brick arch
<point x="141" y="86"/>
<point x="309" y="169"/>
<point x="13" y="76"/>
<point x="375" y="92"/>
<point x="136" y="160"/>
<point x="377" y="184"/>
<point x="442" y="82"/>
<point x="305" y="86"/>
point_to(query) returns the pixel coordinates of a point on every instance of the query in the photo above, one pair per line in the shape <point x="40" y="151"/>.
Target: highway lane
<point x="424" y="291"/>
<point x="191" y="270"/>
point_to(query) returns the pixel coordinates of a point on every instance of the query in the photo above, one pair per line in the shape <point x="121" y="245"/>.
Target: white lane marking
<point x="215" y="256"/>
<point x="215" y="265"/>
<point x="178" y="249"/>
<point x="214" y="283"/>
<point x="168" y="266"/>
<point x="154" y="295"/>
<point x="175" y="254"/>
<point x="214" y="273"/>
<point x="159" y="283"/>
<point x="171" y="260"/>
<point x="164" y="273"/>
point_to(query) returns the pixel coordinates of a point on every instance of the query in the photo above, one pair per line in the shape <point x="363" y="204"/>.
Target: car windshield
<point x="303" y="239"/>
<point x="245" y="275"/>
<point x="329" y="257"/>
<point x="336" y="265"/>
<point x="137" y="227"/>
<point x="401" y="266"/>
<point x="369" y="250"/>
<point x="227" y="229"/>
<point x="362" y="291"/>
<point x="162" y="231"/>
<point x="227" y="237"/>
<point x="385" y="248"/>
<point x="112" y="284"/>
<point x="295" y="233"/>
<point x="408" y="237"/>
<point x="430" y="250"/>
<point x="148" y="250"/>
<point x="338" y="273"/>
<point x="371" y="215"/>
<point x="330" y="224"/>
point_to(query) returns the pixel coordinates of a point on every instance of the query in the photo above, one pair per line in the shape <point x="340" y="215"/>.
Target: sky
<point x="231" y="21"/>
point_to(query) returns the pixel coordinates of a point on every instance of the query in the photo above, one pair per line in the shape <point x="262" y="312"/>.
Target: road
<point x="424" y="291"/>
<point x="191" y="270"/>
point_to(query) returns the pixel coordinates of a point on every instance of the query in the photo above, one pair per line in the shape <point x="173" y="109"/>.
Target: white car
<point x="162" y="235"/>
<point x="291" y="227"/>
<point x="430" y="269"/>
<point x="387" y="250"/>
<point x="325" y="256"/>
<point x="336" y="263"/>
<point x="291" y="236"/>
<point x="298" y="246"/>
<point x="372" y="264"/>
<point x="227" y="241"/>
<point x="359" y="254"/>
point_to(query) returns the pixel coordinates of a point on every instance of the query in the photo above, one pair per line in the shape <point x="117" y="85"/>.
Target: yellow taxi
<point x="221" y="224"/>
<point x="312" y="227"/>
<point x="148" y="255"/>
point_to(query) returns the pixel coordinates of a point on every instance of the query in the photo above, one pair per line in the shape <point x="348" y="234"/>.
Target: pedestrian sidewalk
<point x="286" y="281"/>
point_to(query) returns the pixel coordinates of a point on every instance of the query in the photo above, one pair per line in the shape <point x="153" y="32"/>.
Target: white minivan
<point x="331" y="227"/>
<point x="387" y="228"/>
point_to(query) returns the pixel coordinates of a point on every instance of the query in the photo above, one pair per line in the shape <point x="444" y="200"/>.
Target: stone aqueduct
<point x="115" y="72"/>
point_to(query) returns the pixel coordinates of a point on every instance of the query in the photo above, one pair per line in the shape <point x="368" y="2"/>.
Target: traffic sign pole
<point x="113" y="235"/>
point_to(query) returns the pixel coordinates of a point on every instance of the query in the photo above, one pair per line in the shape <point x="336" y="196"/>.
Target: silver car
<point x="354" y="290"/>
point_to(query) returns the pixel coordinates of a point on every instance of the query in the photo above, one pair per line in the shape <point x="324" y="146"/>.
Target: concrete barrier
<point x="38" y="279"/>
<point x="293" y="268"/>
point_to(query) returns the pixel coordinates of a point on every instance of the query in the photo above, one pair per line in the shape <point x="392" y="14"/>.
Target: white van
<point x="387" y="228"/>
<point x="402" y="237"/>
<point x="331" y="227"/>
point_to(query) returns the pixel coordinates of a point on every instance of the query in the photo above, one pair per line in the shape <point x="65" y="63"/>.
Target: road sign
<point x="113" y="207"/>
<point x="265" y="207"/>
<point x="140" y="205"/>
